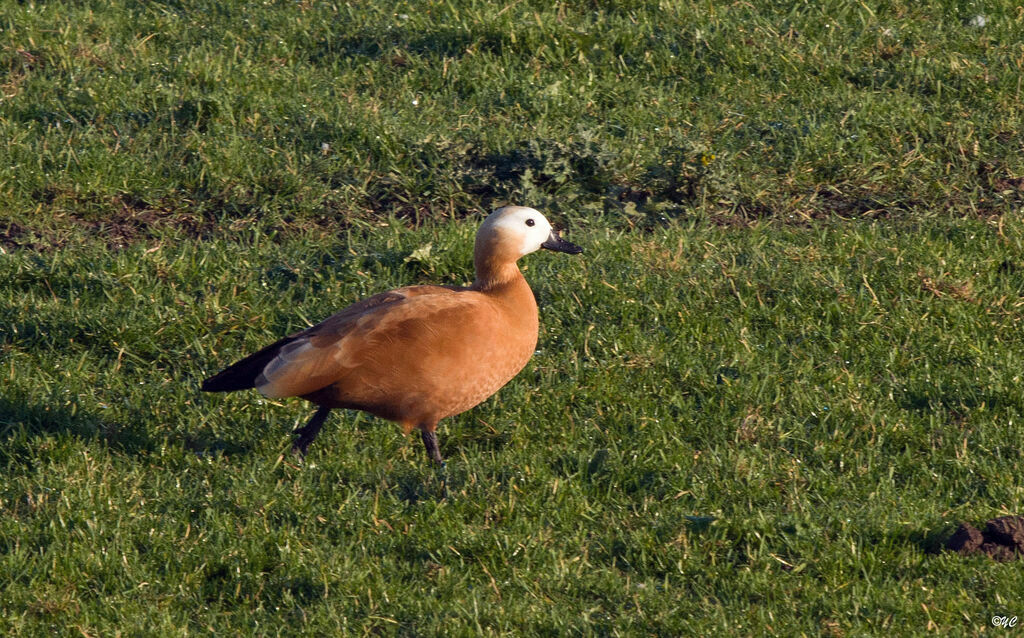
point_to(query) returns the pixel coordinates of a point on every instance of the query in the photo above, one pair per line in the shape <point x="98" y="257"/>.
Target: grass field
<point x="788" y="363"/>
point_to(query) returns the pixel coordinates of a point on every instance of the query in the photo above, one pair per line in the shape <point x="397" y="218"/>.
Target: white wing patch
<point x="298" y="369"/>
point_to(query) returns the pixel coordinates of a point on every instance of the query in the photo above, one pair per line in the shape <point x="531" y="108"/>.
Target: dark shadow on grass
<point x="549" y="165"/>
<point x="593" y="467"/>
<point x="926" y="540"/>
<point x="412" y="489"/>
<point x="22" y="423"/>
<point x="424" y="482"/>
<point x="203" y="444"/>
<point x="699" y="524"/>
<point x="930" y="541"/>
<point x="479" y="440"/>
<point x="396" y="44"/>
<point x="955" y="398"/>
<point x="258" y="424"/>
<point x="279" y="587"/>
<point x="434" y="484"/>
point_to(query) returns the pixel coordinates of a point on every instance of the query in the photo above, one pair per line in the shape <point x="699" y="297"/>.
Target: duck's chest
<point x="486" y="360"/>
<point x="474" y="384"/>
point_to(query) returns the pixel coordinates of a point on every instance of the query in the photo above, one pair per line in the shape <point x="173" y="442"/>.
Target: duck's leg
<point x="308" y="432"/>
<point x="429" y="433"/>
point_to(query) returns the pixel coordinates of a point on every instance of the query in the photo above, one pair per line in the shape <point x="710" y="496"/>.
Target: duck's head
<point x="520" y="230"/>
<point x="511" y="232"/>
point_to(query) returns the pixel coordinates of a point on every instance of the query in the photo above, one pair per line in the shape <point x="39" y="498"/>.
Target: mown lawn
<point x="756" y="430"/>
<point x="787" y="365"/>
<point x="197" y="114"/>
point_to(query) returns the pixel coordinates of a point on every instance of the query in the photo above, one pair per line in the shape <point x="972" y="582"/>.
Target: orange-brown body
<point x="419" y="355"/>
<point x="413" y="355"/>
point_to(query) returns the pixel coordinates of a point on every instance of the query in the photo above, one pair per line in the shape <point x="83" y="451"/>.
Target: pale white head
<point x="523" y="230"/>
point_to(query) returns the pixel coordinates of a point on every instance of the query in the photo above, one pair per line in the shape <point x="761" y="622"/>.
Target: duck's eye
<point x="530" y="222"/>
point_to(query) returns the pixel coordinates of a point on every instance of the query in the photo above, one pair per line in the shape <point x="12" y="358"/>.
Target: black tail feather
<point x="243" y="374"/>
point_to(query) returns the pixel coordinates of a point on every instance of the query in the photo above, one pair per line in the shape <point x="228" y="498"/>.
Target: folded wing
<point x="313" y="358"/>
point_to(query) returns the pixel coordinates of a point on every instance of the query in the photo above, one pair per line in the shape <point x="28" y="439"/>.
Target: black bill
<point x="558" y="244"/>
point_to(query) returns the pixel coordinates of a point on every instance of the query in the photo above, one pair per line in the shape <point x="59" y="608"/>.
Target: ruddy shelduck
<point x="418" y="354"/>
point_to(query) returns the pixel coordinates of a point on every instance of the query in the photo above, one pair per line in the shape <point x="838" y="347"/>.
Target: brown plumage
<point x="418" y="354"/>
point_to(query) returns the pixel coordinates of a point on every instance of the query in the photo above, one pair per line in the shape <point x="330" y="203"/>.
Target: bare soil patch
<point x="1002" y="539"/>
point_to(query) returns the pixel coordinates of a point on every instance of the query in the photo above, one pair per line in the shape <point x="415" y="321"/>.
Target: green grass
<point x="787" y="365"/>
<point x="776" y="446"/>
<point x="195" y="113"/>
